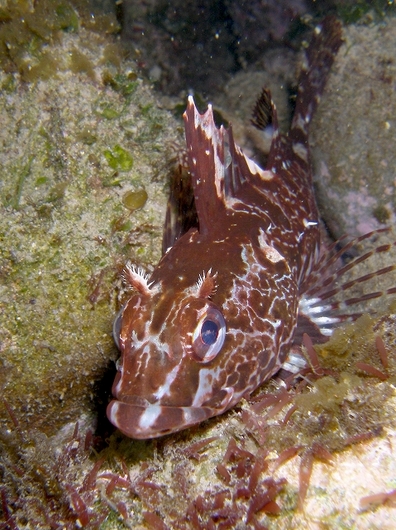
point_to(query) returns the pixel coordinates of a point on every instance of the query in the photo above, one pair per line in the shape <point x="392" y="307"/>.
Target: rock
<point x="354" y="133"/>
<point x="73" y="146"/>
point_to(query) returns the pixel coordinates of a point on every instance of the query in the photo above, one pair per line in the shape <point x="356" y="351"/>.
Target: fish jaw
<point x="142" y="420"/>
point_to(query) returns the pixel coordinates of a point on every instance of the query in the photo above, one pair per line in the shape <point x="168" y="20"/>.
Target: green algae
<point x="126" y="84"/>
<point x="79" y="63"/>
<point x="118" y="158"/>
<point x="23" y="175"/>
<point x="61" y="250"/>
<point x="133" y="200"/>
<point x="353" y="12"/>
<point x="28" y="29"/>
<point x="382" y="214"/>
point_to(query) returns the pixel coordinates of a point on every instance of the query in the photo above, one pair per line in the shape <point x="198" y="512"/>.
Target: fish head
<point x="193" y="341"/>
<point x="169" y="337"/>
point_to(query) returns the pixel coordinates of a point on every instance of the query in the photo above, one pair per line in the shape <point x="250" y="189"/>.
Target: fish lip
<point x="145" y="420"/>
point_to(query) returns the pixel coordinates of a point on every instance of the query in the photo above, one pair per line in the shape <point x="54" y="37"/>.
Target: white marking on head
<point x="165" y="388"/>
<point x="205" y="386"/>
<point x="113" y="412"/>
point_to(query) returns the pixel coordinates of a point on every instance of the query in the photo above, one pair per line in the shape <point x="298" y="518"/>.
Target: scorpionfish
<point x="218" y="315"/>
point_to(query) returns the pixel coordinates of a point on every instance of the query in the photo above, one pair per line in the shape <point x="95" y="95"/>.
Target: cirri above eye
<point x="208" y="337"/>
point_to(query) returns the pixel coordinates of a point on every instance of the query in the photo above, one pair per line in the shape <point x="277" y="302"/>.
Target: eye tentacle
<point x="139" y="279"/>
<point x="206" y="284"/>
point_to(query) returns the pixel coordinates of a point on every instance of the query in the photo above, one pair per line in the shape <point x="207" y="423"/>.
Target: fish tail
<point x="320" y="56"/>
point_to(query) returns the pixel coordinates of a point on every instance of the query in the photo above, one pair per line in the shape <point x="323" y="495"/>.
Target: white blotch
<point x="309" y="223"/>
<point x="299" y="123"/>
<point x="165" y="388"/>
<point x="294" y="363"/>
<point x="149" y="417"/>
<point x="301" y="151"/>
<point x="118" y="386"/>
<point x="113" y="413"/>
<point x="256" y="170"/>
<point x="269" y="252"/>
<point x="205" y="388"/>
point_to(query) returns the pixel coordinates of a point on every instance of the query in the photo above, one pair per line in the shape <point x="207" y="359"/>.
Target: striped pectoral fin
<point x="305" y="324"/>
<point x="340" y="289"/>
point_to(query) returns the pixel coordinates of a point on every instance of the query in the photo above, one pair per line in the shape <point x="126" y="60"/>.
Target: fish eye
<point x="209" y="334"/>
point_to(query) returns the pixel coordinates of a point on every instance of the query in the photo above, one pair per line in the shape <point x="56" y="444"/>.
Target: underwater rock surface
<point x="84" y="158"/>
<point x="73" y="147"/>
<point x="354" y="133"/>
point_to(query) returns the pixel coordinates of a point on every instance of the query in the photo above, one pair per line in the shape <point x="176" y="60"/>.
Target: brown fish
<point x="218" y="316"/>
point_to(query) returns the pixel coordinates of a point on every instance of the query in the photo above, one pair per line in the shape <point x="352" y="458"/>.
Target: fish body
<point x="218" y="315"/>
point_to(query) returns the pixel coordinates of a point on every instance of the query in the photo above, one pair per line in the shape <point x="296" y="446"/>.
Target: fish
<point x="219" y="314"/>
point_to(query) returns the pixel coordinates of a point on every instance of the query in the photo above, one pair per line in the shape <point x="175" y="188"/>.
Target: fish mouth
<point x="143" y="420"/>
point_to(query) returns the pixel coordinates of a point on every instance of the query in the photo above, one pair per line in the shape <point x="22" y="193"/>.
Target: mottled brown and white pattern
<point x="218" y="315"/>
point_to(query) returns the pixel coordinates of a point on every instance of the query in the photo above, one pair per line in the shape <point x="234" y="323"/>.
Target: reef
<point x="85" y="157"/>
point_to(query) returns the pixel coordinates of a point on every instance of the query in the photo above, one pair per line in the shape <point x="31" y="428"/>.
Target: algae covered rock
<point x="84" y="157"/>
<point x="354" y="133"/>
<point x="73" y="147"/>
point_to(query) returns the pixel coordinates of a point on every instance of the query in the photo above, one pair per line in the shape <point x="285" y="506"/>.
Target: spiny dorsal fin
<point x="262" y="112"/>
<point x="218" y="166"/>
